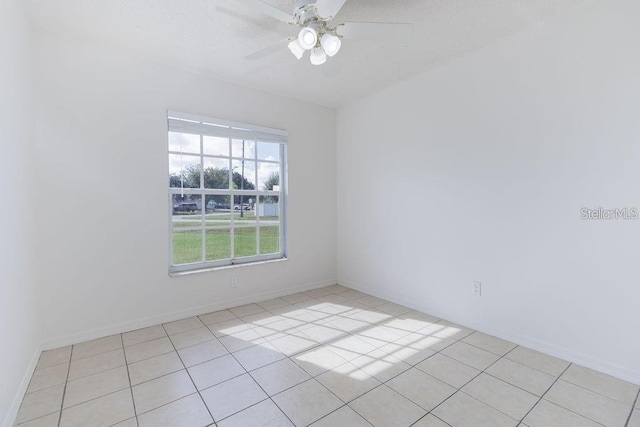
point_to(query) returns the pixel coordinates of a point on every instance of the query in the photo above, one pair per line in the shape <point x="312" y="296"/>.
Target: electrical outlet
<point x="476" y="288"/>
<point x="234" y="282"/>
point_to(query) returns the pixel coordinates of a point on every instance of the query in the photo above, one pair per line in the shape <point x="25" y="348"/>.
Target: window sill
<point x="225" y="267"/>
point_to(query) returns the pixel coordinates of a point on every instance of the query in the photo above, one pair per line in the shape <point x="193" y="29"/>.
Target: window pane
<point x="218" y="211"/>
<point x="217" y="207"/>
<point x="184" y="171"/>
<point x="268" y="176"/>
<point x="268" y="211"/>
<point x="215" y="146"/>
<point x="187" y="246"/>
<point x="269" y="151"/>
<point x="245" y="215"/>
<point x="243" y="149"/>
<point x="184" y="142"/>
<point x="245" y="242"/>
<point x="216" y="173"/>
<point x="269" y="239"/>
<point x="218" y="244"/>
<point x="244" y="175"/>
<point x="187" y="204"/>
<point x="187" y="210"/>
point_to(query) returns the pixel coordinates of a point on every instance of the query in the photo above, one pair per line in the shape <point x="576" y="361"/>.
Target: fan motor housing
<point x="303" y="11"/>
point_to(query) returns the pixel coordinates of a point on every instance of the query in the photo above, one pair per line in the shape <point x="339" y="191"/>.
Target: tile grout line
<point x="97" y="354"/>
<point x="190" y="377"/>
<point x="384" y="382"/>
<point x="572" y="411"/>
<point x="545" y="393"/>
<point x="585" y="389"/>
<point x="368" y="325"/>
<point x="269" y="397"/>
<point x="242" y="410"/>
<point x="633" y="408"/>
<point x="126" y="363"/>
<point x="433" y="415"/>
<point x="103" y="371"/>
<point x="39" y="416"/>
<point x="66" y="381"/>
<point x="86" y="401"/>
<point x="229" y="353"/>
<point x="310" y="376"/>
<point x="465" y="384"/>
<point x="557" y="378"/>
<point x="42" y="389"/>
<point x="261" y="388"/>
<point x="335" y="395"/>
<point x="597" y="392"/>
<point x="322" y="385"/>
<point x="502" y="380"/>
<point x="347" y="406"/>
<point x="94" y="398"/>
<point x="164" y="375"/>
<point x="352" y="334"/>
<point x="149" y="358"/>
<point x="514" y="385"/>
<point x="457" y="389"/>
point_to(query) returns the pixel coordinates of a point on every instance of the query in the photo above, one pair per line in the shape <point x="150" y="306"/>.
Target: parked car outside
<point x="185" y="207"/>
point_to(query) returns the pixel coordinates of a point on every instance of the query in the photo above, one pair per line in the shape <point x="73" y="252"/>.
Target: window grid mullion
<point x="215" y="156"/>
<point x="232" y="234"/>
<point x="255" y="207"/>
<point x="171" y="228"/>
<point x="218" y="192"/>
<point x="203" y="207"/>
<point x="281" y="201"/>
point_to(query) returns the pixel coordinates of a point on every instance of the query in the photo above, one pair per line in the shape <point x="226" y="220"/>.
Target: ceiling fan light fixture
<point x="296" y="48"/>
<point x="317" y="31"/>
<point x="318" y="56"/>
<point x="331" y="44"/>
<point x="308" y="37"/>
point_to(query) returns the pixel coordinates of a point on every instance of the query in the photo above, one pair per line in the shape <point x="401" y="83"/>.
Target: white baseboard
<point x="613" y="369"/>
<point x="12" y="414"/>
<point x="177" y="315"/>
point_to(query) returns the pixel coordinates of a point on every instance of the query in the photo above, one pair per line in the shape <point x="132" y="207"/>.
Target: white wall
<point x="19" y="340"/>
<point x="478" y="171"/>
<point x="102" y="203"/>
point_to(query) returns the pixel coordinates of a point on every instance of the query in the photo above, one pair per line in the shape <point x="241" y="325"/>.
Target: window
<point x="227" y="192"/>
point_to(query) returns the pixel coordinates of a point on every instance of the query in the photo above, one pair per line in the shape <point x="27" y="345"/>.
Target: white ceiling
<point x="213" y="36"/>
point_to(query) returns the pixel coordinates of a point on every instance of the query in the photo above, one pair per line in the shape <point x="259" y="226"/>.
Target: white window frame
<point x="205" y="126"/>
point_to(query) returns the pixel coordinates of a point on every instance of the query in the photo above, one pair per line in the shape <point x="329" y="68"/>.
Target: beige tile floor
<point x="327" y="357"/>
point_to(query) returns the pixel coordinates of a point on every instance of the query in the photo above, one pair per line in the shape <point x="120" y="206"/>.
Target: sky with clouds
<point x="189" y="146"/>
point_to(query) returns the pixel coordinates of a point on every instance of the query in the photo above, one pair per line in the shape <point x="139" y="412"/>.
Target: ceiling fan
<point x="318" y="33"/>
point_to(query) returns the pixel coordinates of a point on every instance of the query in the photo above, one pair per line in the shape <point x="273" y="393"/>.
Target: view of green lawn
<point x="187" y="245"/>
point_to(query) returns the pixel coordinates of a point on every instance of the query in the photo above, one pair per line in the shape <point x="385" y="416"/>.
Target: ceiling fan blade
<point x="269" y="50"/>
<point x="268" y="10"/>
<point x="327" y="9"/>
<point x="387" y="32"/>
